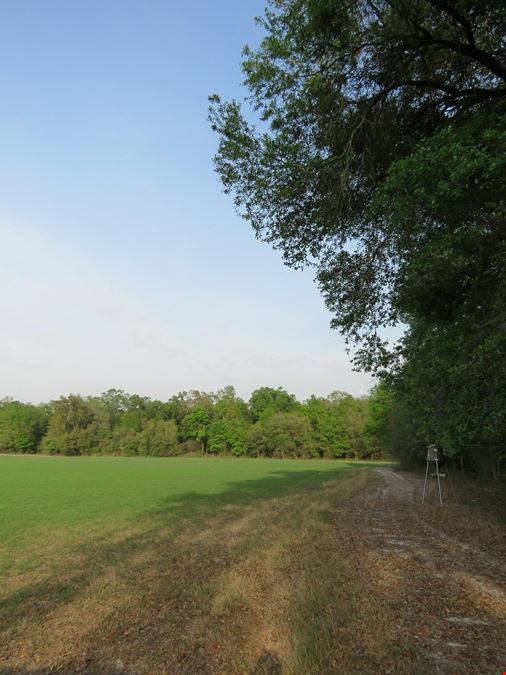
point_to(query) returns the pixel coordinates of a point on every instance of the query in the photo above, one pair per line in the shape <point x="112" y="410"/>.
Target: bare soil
<point x="439" y="573"/>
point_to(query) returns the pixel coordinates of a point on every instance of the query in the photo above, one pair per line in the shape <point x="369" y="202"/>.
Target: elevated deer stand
<point x="432" y="458"/>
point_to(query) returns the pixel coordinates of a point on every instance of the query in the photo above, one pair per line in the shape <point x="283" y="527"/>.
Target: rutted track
<point x="446" y="595"/>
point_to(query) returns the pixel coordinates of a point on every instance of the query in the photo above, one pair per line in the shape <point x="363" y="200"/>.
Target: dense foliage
<point x="373" y="147"/>
<point x="271" y="424"/>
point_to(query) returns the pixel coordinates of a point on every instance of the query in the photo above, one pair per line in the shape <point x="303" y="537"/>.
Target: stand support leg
<point x="439" y="485"/>
<point x="425" y="482"/>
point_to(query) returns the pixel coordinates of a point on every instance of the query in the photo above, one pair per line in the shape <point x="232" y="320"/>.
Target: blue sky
<point x="122" y="264"/>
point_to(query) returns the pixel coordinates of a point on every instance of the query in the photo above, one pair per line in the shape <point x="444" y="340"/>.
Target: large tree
<point x="228" y="429"/>
<point x="21" y="426"/>
<point x="289" y="435"/>
<point x="73" y="427"/>
<point x="267" y="401"/>
<point x="341" y="90"/>
<point x="372" y="146"/>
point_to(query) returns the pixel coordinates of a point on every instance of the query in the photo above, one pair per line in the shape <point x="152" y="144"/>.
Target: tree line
<point x="371" y="146"/>
<point x="271" y="424"/>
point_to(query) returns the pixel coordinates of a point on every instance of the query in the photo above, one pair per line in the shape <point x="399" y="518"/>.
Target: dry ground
<point x="357" y="577"/>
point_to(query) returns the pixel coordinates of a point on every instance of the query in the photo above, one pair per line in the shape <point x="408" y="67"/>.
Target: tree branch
<point x="451" y="11"/>
<point x="470" y="49"/>
<point x="473" y="52"/>
<point x="475" y="92"/>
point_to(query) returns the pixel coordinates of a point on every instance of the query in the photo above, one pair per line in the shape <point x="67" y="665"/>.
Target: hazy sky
<point x="122" y="264"/>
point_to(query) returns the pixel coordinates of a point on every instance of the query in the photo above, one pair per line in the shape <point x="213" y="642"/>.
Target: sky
<point x="122" y="263"/>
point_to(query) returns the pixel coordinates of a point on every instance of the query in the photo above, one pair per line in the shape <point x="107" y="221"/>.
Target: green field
<point x="182" y="566"/>
<point x="99" y="553"/>
<point x="72" y="500"/>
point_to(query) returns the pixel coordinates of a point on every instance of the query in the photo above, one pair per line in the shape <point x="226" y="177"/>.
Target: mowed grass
<point x="167" y="564"/>
<point x="69" y="500"/>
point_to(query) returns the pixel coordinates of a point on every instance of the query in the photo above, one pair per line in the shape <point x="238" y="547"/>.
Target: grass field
<point x="257" y="567"/>
<point x="216" y="566"/>
<point x="86" y="542"/>
<point x="55" y="502"/>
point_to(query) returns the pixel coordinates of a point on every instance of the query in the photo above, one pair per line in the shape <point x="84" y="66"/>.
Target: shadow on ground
<point x="160" y="577"/>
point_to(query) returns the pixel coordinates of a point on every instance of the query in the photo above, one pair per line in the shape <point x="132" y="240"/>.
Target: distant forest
<point x="271" y="424"/>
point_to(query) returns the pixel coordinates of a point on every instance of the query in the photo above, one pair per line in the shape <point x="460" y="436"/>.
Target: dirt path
<point x="440" y="583"/>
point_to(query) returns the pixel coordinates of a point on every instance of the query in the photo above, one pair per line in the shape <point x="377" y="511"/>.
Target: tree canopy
<point x="372" y="146"/>
<point x="272" y="424"/>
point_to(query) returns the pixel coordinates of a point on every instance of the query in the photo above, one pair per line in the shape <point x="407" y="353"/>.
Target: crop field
<point x="86" y="544"/>
<point x="209" y="565"/>
<point x="54" y="503"/>
<point x="50" y="505"/>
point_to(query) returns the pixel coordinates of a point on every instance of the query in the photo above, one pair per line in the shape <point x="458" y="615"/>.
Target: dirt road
<point x="438" y="573"/>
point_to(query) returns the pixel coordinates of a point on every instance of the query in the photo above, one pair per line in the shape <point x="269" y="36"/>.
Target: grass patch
<point x="69" y="499"/>
<point x="185" y="562"/>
